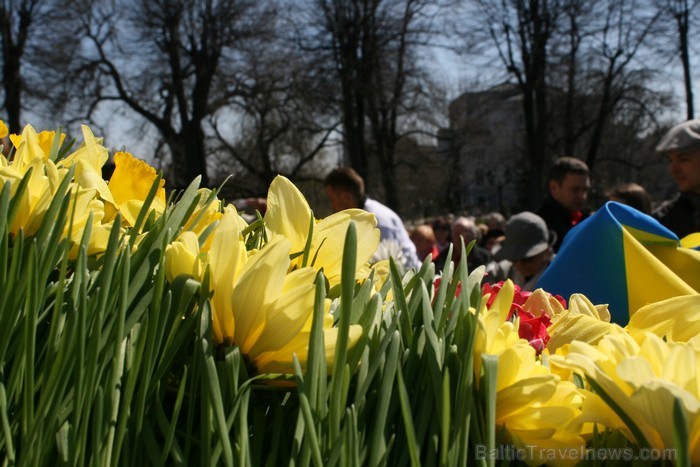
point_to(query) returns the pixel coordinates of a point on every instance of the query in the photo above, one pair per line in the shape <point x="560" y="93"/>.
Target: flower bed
<point x="139" y="329"/>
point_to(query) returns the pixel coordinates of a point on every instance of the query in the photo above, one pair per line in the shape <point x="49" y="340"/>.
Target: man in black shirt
<point x="569" y="182"/>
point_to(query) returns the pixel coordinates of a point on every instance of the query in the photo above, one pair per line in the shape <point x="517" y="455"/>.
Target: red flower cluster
<point x="532" y="328"/>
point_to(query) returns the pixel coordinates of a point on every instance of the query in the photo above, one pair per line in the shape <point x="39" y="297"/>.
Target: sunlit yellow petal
<point x="288" y="213"/>
<point x="281" y="360"/>
<point x="260" y="284"/>
<point x="181" y="257"/>
<point x="677" y="318"/>
<point x="568" y="327"/>
<point x="227" y="256"/>
<point x="132" y="180"/>
<point x="329" y="240"/>
<point x="286" y="316"/>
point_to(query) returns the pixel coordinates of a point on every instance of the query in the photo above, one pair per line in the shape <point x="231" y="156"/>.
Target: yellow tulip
<point x="289" y="215"/>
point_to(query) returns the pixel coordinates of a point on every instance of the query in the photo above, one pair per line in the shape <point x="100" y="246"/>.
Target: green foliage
<point x="103" y="362"/>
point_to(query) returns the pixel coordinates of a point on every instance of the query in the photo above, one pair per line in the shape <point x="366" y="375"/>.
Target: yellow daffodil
<point x="3" y="129"/>
<point x="583" y="322"/>
<point x="289" y="215"/>
<point x="88" y="160"/>
<point x="643" y="380"/>
<point x="130" y="184"/>
<point x="256" y="304"/>
<point x="534" y="406"/>
<point x="45" y="139"/>
<point x="676" y="319"/>
<point x="207" y="213"/>
<point x="83" y="204"/>
<point x="42" y="185"/>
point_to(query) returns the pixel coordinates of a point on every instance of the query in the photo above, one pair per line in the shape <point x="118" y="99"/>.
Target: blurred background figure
<point x="681" y="145"/>
<point x="492" y="238"/>
<point x="569" y="182"/>
<point x="345" y="189"/>
<point x="526" y="251"/>
<point x="465" y="228"/>
<point x="495" y="221"/>
<point x="423" y="238"/>
<point x="631" y="194"/>
<point x="442" y="228"/>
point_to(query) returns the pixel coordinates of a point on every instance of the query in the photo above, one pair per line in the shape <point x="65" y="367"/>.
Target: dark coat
<point x="558" y="219"/>
<point x="681" y="214"/>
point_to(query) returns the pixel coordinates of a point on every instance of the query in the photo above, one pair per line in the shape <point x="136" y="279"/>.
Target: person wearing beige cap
<point x="527" y="250"/>
<point x="681" y="145"/>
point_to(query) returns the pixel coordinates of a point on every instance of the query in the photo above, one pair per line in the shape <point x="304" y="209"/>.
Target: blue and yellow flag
<point x="623" y="258"/>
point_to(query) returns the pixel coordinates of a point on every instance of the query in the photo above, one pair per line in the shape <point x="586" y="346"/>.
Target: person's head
<point x="495" y="220"/>
<point x="466" y="228"/>
<point x="423" y="238"/>
<point x="442" y="229"/>
<point x="633" y="195"/>
<point x="527" y="244"/>
<point x="681" y="145"/>
<point x="345" y="189"/>
<point x="569" y="182"/>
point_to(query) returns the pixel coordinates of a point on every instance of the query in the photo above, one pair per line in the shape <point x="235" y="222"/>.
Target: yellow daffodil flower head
<point x="86" y="207"/>
<point x="536" y="408"/>
<point x="643" y="380"/>
<point x="208" y="212"/>
<point x="3" y="129"/>
<point x="257" y="303"/>
<point x="582" y="321"/>
<point x="88" y="160"/>
<point x="540" y="302"/>
<point x="41" y="187"/>
<point x="130" y="184"/>
<point x="182" y="257"/>
<point x="27" y="150"/>
<point x="44" y="138"/>
<point x="288" y="214"/>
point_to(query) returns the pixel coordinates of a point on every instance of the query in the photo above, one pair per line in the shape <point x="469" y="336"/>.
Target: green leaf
<point x="681" y="437"/>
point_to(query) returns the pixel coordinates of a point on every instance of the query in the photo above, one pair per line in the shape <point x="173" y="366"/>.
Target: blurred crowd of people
<point x="523" y="245"/>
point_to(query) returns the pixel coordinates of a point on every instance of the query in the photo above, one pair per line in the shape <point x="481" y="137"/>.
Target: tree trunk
<point x="12" y="83"/>
<point x="189" y="157"/>
<point x="682" y="19"/>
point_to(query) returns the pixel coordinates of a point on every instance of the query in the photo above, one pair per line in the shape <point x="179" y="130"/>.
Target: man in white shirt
<point x="346" y="190"/>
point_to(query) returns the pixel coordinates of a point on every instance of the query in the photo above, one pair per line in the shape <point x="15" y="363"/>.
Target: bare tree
<point x="521" y="31"/>
<point x="282" y="122"/>
<point x="37" y="41"/>
<point x="623" y="32"/>
<point x="172" y="62"/>
<point x="373" y="46"/>
<point x="681" y="12"/>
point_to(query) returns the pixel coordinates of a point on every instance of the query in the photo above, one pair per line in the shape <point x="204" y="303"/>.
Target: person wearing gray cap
<point x="681" y="145"/>
<point x="527" y="250"/>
